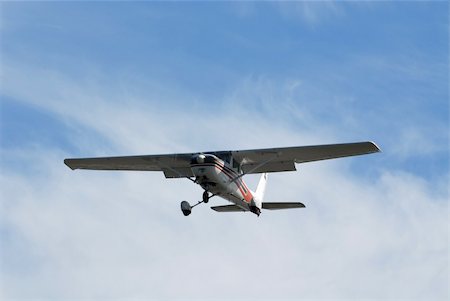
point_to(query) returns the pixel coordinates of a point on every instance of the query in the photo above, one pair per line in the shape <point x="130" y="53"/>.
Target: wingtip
<point x="67" y="162"/>
<point x="377" y="149"/>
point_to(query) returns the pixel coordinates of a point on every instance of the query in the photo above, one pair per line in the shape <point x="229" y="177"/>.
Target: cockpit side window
<point x="210" y="159"/>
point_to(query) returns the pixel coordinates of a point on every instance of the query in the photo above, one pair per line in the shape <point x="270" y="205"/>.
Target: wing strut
<point x="254" y="168"/>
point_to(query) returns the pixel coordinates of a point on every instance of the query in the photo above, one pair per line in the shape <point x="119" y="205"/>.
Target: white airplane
<point x="220" y="173"/>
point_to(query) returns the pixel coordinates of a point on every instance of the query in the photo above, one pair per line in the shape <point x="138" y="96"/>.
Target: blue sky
<point x="93" y="78"/>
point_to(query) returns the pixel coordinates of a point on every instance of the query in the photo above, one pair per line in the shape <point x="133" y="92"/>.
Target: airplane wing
<point x="251" y="161"/>
<point x="173" y="165"/>
<point x="284" y="159"/>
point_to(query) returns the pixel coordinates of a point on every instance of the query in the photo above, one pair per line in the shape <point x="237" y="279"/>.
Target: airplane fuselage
<point x="220" y="178"/>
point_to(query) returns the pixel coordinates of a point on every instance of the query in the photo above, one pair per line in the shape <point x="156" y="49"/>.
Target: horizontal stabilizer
<point x="228" y="208"/>
<point x="276" y="206"/>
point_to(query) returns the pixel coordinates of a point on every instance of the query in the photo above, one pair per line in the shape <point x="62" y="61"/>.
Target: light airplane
<point x="220" y="173"/>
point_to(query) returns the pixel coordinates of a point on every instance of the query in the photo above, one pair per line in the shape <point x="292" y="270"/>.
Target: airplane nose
<point x="199" y="159"/>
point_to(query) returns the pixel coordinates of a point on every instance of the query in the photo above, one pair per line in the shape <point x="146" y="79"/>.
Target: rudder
<point x="261" y="188"/>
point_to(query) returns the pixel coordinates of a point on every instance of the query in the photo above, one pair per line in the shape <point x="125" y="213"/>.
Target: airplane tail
<point x="261" y="188"/>
<point x="258" y="195"/>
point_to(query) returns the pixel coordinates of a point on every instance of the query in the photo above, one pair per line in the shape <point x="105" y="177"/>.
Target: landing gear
<point x="205" y="197"/>
<point x="186" y="208"/>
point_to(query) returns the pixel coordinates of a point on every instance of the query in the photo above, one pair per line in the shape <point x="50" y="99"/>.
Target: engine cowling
<point x="198" y="159"/>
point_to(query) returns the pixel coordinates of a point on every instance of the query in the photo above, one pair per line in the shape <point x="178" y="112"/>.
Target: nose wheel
<point x="186" y="208"/>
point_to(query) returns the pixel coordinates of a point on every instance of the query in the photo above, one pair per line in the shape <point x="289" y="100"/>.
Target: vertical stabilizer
<point x="258" y="195"/>
<point x="261" y="188"/>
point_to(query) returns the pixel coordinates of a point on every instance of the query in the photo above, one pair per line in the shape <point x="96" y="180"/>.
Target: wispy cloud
<point x="91" y="234"/>
<point x="88" y="234"/>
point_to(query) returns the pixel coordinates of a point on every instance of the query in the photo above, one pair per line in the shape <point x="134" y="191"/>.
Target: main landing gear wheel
<point x="205" y="197"/>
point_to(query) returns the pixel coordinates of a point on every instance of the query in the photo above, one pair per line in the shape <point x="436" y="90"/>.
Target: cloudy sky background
<point x="96" y="79"/>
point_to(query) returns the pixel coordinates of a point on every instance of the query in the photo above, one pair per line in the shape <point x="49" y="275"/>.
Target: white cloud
<point x="80" y="234"/>
<point x="84" y="234"/>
